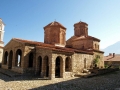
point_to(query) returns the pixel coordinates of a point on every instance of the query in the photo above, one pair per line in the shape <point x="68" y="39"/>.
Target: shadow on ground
<point x="101" y="82"/>
<point x="104" y="82"/>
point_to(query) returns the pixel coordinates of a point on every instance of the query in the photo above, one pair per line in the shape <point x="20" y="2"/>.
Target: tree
<point x="96" y="60"/>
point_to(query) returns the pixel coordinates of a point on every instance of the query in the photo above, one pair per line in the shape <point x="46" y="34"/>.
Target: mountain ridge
<point x="114" y="48"/>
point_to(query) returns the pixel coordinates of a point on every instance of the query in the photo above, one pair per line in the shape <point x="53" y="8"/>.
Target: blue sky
<point x="26" y="18"/>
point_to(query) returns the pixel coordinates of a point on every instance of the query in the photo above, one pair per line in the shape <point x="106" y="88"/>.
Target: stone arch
<point x="31" y="57"/>
<point x="10" y="59"/>
<point x="67" y="64"/>
<point x="18" y="58"/>
<point x="46" y="66"/>
<point x="58" y="67"/>
<point x="39" y="65"/>
<point x="5" y="58"/>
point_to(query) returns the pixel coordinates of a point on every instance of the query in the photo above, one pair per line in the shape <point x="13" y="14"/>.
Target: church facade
<point x="56" y="57"/>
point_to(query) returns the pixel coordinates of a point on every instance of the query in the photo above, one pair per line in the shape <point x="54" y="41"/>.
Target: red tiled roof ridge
<point x="94" y="38"/>
<point x="49" y="46"/>
<point x="75" y="38"/>
<point x="98" y="50"/>
<point x="24" y="40"/>
<point x="55" y="23"/>
<point x="81" y="22"/>
<point x="111" y="58"/>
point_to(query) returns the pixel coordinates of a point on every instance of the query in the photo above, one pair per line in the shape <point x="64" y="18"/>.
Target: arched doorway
<point x="5" y="58"/>
<point x="39" y="66"/>
<point x="10" y="60"/>
<point x="18" y="58"/>
<point x="30" y="64"/>
<point x="58" y="67"/>
<point x="46" y="66"/>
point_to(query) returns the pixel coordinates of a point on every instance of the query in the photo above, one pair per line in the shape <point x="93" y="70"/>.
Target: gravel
<point x="103" y="82"/>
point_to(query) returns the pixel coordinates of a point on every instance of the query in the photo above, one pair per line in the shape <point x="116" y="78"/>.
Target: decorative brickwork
<point x="55" y="34"/>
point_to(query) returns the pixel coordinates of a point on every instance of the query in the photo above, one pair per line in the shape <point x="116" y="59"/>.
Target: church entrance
<point x="57" y="67"/>
<point x="10" y="60"/>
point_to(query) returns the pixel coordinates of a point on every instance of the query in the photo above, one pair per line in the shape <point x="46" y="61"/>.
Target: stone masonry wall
<point x="81" y="61"/>
<point x="63" y="56"/>
<point x="101" y="60"/>
<point x="43" y="52"/>
<point x="82" y="44"/>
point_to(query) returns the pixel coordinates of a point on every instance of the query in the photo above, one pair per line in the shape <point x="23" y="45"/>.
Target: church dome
<point x="55" y="23"/>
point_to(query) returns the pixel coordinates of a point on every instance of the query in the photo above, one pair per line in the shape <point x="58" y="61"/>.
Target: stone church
<point x="56" y="57"/>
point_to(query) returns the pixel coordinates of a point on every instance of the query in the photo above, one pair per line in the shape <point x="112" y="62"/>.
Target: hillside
<point x="114" y="48"/>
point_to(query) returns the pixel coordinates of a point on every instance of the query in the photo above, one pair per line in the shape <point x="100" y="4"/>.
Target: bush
<point x="106" y="66"/>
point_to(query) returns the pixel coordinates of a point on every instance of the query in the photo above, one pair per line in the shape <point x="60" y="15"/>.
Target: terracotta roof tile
<point x="54" y="24"/>
<point x="111" y="58"/>
<point x="49" y="46"/>
<point x="80" y="23"/>
<point x="94" y="38"/>
<point x="74" y="38"/>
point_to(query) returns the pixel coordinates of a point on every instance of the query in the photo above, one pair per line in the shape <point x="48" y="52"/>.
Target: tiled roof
<point x="96" y="50"/>
<point x="112" y="58"/>
<point x="49" y="46"/>
<point x="54" y="24"/>
<point x="94" y="38"/>
<point x="80" y="23"/>
<point x="74" y="38"/>
<point x="33" y="42"/>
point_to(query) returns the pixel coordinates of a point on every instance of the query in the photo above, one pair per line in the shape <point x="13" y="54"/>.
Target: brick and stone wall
<point x="101" y="60"/>
<point x="81" y="61"/>
<point x="82" y="44"/>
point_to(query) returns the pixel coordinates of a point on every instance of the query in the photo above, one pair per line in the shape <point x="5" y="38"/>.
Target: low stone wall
<point x="4" y="66"/>
<point x="17" y="69"/>
<point x="68" y="74"/>
<point x="29" y="71"/>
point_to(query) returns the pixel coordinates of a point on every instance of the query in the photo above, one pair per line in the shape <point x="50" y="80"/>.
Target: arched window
<point x="30" y="60"/>
<point x="18" y="58"/>
<point x="67" y="64"/>
<point x="5" y="57"/>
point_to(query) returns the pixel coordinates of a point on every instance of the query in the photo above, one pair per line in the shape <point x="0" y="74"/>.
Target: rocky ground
<point x="103" y="82"/>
